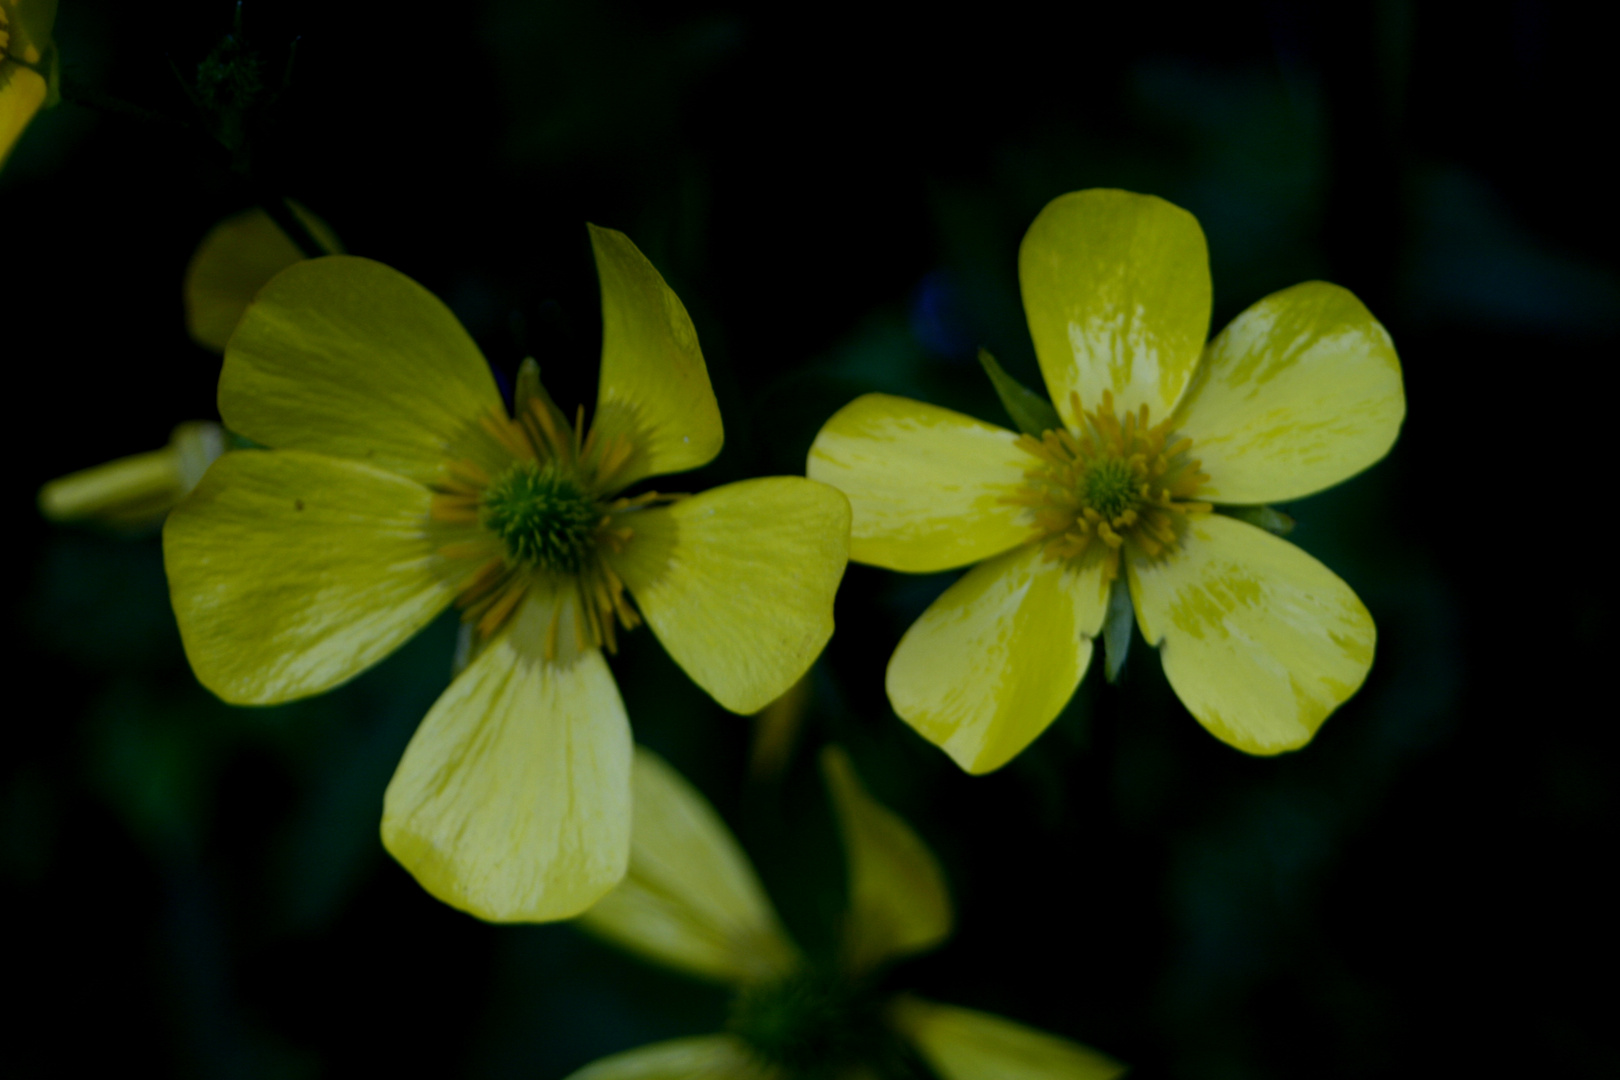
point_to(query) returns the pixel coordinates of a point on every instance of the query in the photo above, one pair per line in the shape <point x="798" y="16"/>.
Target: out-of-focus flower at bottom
<point x="692" y="901"/>
<point x="137" y="491"/>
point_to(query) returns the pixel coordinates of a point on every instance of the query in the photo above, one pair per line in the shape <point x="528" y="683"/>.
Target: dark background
<point x="837" y="193"/>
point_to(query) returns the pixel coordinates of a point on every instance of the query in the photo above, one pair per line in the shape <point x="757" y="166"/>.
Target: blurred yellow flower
<point x="397" y="484"/>
<point x="692" y="901"/>
<point x="28" y="66"/>
<point x="140" y="490"/>
<point x="1260" y="641"/>
<point x="233" y="262"/>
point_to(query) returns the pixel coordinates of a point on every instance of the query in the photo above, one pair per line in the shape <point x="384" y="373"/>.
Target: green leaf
<point x="1261" y="517"/>
<point x="1030" y="411"/>
<point x="1117" y="629"/>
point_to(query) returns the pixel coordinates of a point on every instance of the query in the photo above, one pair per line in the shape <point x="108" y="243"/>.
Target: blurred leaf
<point x="1030" y="411"/>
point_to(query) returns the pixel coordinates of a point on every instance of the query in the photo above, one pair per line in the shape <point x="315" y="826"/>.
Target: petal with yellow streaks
<point x="1117" y="292"/>
<point x="993" y="661"/>
<point x="1301" y="391"/>
<point x="1260" y="641"/>
<point x="927" y="486"/>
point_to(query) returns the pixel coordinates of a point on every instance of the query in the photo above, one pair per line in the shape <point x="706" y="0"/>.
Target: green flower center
<point x="1110" y="486"/>
<point x="809" y="1025"/>
<point x="545" y="519"/>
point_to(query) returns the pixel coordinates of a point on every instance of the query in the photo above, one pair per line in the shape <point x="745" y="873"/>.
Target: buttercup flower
<point x="1260" y="641"/>
<point x="397" y="484"/>
<point x="28" y="66"/>
<point x="692" y="901"/>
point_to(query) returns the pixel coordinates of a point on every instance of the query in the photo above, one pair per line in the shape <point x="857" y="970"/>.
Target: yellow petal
<point x="513" y="799"/>
<point x="898" y="903"/>
<point x="738" y="582"/>
<point x="292" y="572"/>
<point x="655" y="388"/>
<point x="1116" y="288"/>
<point x="344" y="356"/>
<point x="1260" y="641"/>
<point x="926" y="485"/>
<point x="22" y="92"/>
<point x="703" y="1057"/>
<point x="963" y="1044"/>
<point x="690" y="900"/>
<point x="234" y="261"/>
<point x="995" y="659"/>
<point x="1301" y="391"/>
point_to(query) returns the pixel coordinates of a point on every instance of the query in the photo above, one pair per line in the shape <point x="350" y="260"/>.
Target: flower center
<point x="543" y="517"/>
<point x="1118" y="482"/>
<point x="546" y="519"/>
<point x="809" y="1024"/>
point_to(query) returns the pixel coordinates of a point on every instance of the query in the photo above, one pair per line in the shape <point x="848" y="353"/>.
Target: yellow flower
<point x="231" y="265"/>
<point x="28" y="66"/>
<point x="139" y="490"/>
<point x="398" y="485"/>
<point x="1260" y="641"/>
<point x="692" y="901"/>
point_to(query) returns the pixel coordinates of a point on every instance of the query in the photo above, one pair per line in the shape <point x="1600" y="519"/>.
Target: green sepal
<point x="1117" y="626"/>
<point x="1261" y="517"/>
<point x="1030" y="411"/>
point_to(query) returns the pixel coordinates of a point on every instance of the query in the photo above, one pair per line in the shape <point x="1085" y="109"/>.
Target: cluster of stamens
<point x="1112" y="482"/>
<point x="542" y="520"/>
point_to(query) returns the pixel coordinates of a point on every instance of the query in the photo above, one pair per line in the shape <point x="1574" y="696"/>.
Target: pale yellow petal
<point x="1260" y="641"/>
<point x="292" y="572"/>
<point x="655" y="390"/>
<point x="738" y="582"/>
<point x="963" y="1044"/>
<point x="702" y="1057"/>
<point x="690" y="900"/>
<point x="993" y="661"/>
<point x="513" y="799"/>
<point x="234" y="261"/>
<point x="928" y="487"/>
<point x="1117" y="292"/>
<point x="898" y="902"/>
<point x="347" y="357"/>
<point x="1301" y="391"/>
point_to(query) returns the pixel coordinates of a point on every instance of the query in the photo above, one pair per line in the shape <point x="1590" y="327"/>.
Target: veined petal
<point x="703" y="1057"/>
<point x="1260" y="641"/>
<point x="690" y="899"/>
<point x="234" y="261"/>
<point x="738" y="582"/>
<point x="513" y="799"/>
<point x="1117" y="292"/>
<point x="926" y="485"/>
<point x="998" y="655"/>
<point x="347" y="357"/>
<point x="1301" y="391"/>
<point x="898" y="903"/>
<point x="293" y="572"/>
<point x="655" y="389"/>
<point x="963" y="1044"/>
